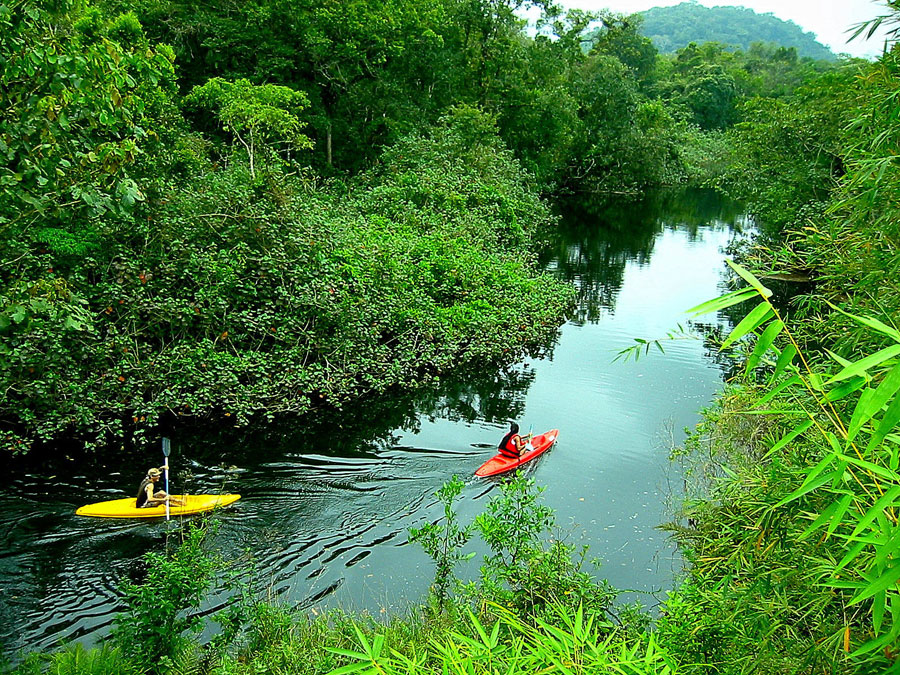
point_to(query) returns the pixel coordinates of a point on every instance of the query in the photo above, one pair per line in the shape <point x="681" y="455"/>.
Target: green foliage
<point x="829" y="523"/>
<point x="790" y="153"/>
<point x="265" y="114"/>
<point x="522" y="571"/>
<point x="84" y="100"/>
<point x="671" y="28"/>
<point x="76" y="660"/>
<point x="574" y="642"/>
<point x="442" y="542"/>
<point x="159" y="608"/>
<point x="240" y="298"/>
<point x="621" y="38"/>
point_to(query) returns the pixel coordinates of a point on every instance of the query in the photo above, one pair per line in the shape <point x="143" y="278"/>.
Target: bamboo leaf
<point x="845" y="389"/>
<point x="878" y="603"/>
<point x="882" y="583"/>
<point x="757" y="316"/>
<point x="347" y="652"/>
<point x="833" y="442"/>
<point x="362" y="640"/>
<point x="791" y="381"/>
<point x="886" y="390"/>
<point x="863" y="411"/>
<point x="352" y="668"/>
<point x="851" y="555"/>
<point x="837" y="583"/>
<point x="750" y="279"/>
<point x="860" y="367"/>
<point x="785" y="358"/>
<point x="790" y="436"/>
<point x="875" y="324"/>
<point x="885" y="473"/>
<point x="816" y="382"/>
<point x="722" y="302"/>
<point x="827" y="514"/>
<point x="885" y="501"/>
<point x="838" y="517"/>
<point x="840" y="359"/>
<point x="888" y="422"/>
<point x="763" y="344"/>
<point x="809" y="486"/>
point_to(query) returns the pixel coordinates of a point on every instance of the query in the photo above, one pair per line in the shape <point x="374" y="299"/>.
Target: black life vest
<point x="142" y="493"/>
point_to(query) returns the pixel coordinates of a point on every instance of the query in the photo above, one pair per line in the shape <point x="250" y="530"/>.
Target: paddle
<point x="166" y="448"/>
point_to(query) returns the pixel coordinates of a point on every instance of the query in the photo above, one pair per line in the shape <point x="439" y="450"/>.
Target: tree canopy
<point x="672" y="28"/>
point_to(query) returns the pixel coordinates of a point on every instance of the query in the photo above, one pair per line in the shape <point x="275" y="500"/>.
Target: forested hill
<point x="671" y="28"/>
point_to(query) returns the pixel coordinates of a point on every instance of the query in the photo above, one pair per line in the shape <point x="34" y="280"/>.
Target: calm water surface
<point x="326" y="505"/>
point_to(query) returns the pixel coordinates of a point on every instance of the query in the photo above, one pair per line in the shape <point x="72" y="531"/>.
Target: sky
<point x="827" y="19"/>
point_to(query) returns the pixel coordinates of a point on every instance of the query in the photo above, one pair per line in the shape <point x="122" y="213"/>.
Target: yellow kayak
<point x="125" y="508"/>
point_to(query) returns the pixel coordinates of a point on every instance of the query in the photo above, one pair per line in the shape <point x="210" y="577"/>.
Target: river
<point x="326" y="504"/>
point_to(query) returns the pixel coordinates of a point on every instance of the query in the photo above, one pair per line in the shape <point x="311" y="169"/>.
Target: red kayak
<point x="500" y="464"/>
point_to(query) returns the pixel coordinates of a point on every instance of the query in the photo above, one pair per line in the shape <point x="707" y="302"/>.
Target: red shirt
<point x="511" y="447"/>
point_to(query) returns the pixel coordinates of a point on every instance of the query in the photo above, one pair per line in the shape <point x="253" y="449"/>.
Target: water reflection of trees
<point x="599" y="236"/>
<point x="489" y="392"/>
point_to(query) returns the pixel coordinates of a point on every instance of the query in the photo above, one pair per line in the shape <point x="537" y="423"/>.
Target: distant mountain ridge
<point x="671" y="28"/>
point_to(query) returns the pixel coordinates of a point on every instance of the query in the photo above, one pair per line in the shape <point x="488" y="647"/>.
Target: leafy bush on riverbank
<point x="793" y="537"/>
<point x="234" y="296"/>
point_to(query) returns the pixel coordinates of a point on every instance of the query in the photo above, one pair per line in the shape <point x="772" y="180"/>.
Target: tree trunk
<point x="328" y="143"/>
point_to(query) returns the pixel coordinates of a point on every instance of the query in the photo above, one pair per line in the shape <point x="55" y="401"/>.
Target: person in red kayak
<point x="512" y="444"/>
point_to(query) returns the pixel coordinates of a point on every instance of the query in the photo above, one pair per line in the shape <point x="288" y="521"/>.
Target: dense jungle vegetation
<point x="231" y="212"/>
<point x="211" y="213"/>
<point x="674" y="27"/>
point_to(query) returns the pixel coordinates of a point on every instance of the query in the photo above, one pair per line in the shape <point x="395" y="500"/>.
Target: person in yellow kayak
<point x="148" y="496"/>
<point x="512" y="444"/>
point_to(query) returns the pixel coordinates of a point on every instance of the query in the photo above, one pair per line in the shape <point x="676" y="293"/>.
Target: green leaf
<point x="722" y="302"/>
<point x="810" y="485"/>
<point x="885" y="501"/>
<point x="347" y="652"/>
<point x="877" y="325"/>
<point x="851" y="555"/>
<point x="845" y="389"/>
<point x="888" y="422"/>
<point x="18" y="314"/>
<point x="885" y="473"/>
<point x="790" y="436"/>
<point x="757" y="316"/>
<point x="785" y="358"/>
<point x="834" y="510"/>
<point x="763" y="344"/>
<point x="352" y="668"/>
<point x="790" y="382"/>
<point x="888" y="387"/>
<point x="840" y="359"/>
<point x="750" y="279"/>
<point x="878" y="603"/>
<point x="860" y="367"/>
<point x="863" y="411"/>
<point x="882" y="583"/>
